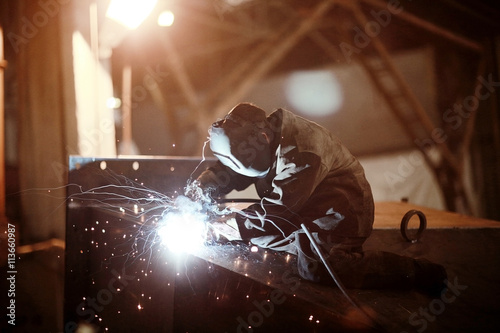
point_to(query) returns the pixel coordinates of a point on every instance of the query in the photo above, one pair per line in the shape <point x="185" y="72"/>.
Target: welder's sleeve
<point x="220" y="180"/>
<point x="271" y="222"/>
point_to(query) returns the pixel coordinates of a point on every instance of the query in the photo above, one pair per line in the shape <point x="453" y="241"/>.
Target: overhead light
<point x="130" y="13"/>
<point x="166" y="18"/>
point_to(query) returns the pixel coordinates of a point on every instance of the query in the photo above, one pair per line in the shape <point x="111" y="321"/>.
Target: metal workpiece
<point x="119" y="277"/>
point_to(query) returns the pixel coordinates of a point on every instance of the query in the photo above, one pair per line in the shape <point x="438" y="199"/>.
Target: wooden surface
<point x="388" y="215"/>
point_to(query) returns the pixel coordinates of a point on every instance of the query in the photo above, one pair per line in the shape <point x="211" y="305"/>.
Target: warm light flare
<point x="166" y="19"/>
<point x="314" y="93"/>
<point x="130" y="13"/>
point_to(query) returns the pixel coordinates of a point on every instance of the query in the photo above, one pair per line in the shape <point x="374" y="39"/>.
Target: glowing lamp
<point x="130" y="13"/>
<point x="166" y="19"/>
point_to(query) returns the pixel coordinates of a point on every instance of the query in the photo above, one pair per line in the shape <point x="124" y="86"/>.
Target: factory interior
<point x="100" y="93"/>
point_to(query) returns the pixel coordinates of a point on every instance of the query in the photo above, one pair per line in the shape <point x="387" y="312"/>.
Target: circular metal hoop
<point x="404" y="225"/>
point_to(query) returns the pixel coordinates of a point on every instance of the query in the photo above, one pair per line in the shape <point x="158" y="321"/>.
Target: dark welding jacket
<point x="314" y="180"/>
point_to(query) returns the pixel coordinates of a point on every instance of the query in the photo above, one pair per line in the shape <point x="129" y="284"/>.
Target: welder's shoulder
<point x="313" y="138"/>
<point x="310" y="140"/>
<point x="307" y="133"/>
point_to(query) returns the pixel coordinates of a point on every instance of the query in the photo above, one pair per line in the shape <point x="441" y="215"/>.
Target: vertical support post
<point x="127" y="110"/>
<point x="2" y="129"/>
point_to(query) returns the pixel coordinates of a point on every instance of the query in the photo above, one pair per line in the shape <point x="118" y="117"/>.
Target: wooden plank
<point x="388" y="215"/>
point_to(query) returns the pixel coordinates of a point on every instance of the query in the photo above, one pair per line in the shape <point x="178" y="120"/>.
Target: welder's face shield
<point x="233" y="147"/>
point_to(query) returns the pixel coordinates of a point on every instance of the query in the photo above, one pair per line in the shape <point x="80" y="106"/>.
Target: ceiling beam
<point x="275" y="54"/>
<point x="426" y="25"/>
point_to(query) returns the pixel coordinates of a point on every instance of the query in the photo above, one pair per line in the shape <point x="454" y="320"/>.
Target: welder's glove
<point x="201" y="188"/>
<point x="207" y="180"/>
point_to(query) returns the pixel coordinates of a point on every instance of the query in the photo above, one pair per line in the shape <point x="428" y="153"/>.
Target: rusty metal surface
<point x="230" y="287"/>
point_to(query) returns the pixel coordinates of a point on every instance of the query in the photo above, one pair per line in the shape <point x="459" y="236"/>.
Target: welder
<point x="304" y="174"/>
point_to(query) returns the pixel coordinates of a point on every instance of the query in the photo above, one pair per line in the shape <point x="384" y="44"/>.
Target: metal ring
<point x="404" y="225"/>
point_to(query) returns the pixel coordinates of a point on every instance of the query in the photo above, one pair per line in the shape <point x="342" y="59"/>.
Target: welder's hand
<point x="207" y="180"/>
<point x="201" y="188"/>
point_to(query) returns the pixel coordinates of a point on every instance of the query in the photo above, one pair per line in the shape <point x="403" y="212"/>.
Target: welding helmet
<point x="237" y="141"/>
